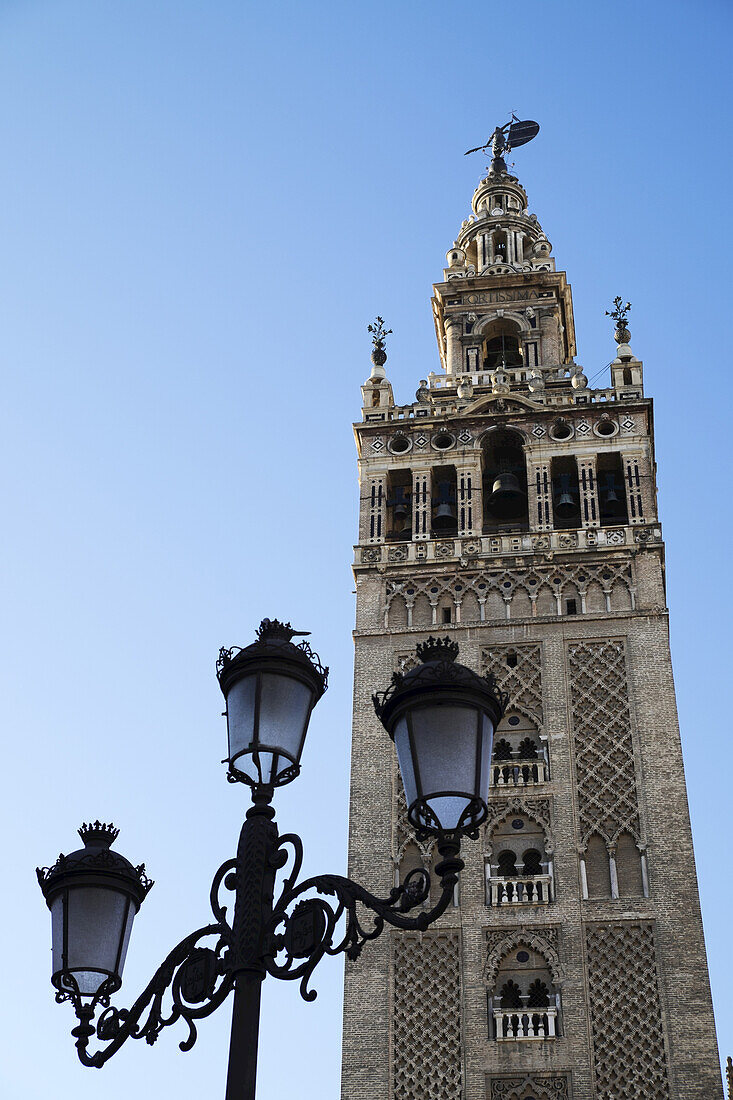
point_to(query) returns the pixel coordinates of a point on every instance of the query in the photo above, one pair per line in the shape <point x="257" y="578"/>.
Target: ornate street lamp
<point x="441" y="717"/>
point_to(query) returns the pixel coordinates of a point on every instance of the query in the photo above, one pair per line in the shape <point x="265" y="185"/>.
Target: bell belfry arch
<point x="513" y="507"/>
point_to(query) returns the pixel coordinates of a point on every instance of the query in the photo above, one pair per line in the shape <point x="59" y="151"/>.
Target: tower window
<point x="504" y="482"/>
<point x="447" y="617"/>
<point x="571" y="607"/>
<point x="611" y="490"/>
<point x="511" y="660"/>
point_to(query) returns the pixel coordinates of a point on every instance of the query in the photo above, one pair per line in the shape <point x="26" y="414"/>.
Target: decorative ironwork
<point x="195" y="976"/>
<point x="268" y="630"/>
<point x="323" y="915"/>
<point x="437" y="657"/>
<point x="620" y="314"/>
<point x="379" y="334"/>
<point x="304" y="929"/>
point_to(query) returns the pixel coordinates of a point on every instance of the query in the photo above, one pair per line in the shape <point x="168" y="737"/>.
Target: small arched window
<point x="532" y="862"/>
<point x="507" y="864"/>
<point x="511" y="995"/>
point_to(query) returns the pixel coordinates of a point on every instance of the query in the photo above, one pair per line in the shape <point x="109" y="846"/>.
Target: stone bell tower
<point x="513" y="508"/>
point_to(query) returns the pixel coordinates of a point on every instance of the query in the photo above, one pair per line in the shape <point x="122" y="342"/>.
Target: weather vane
<point x="506" y="138"/>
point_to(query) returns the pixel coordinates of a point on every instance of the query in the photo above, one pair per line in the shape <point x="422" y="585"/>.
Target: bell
<point x="405" y="534"/>
<point x="564" y="503"/>
<point x="507" y="495"/>
<point x="445" y="518"/>
<point x="610" y="501"/>
<point x="399" y="503"/>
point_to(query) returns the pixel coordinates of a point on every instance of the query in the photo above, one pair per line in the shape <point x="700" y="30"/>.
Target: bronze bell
<point x="507" y="495"/>
<point x="400" y="506"/>
<point x="445" y="518"/>
<point x="564" y="503"/>
<point x="610" y="500"/>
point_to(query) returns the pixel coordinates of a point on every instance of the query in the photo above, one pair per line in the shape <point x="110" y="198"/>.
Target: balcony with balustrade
<point x="513" y="1024"/>
<point x="518" y="891"/>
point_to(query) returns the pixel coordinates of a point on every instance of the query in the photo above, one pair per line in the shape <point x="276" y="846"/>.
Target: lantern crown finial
<point x="98" y="835"/>
<point x="273" y="628"/>
<point x="437" y="649"/>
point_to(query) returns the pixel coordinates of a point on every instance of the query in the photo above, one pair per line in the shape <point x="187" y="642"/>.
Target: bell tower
<point x="514" y="508"/>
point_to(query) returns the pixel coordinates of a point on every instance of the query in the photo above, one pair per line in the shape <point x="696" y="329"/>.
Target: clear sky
<point x="202" y="205"/>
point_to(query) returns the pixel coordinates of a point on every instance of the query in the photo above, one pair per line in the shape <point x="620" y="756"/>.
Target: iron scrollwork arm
<point x="197" y="977"/>
<point x="302" y="929"/>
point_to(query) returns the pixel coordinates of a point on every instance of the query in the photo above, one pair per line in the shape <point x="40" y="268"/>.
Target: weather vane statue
<point x="504" y="139"/>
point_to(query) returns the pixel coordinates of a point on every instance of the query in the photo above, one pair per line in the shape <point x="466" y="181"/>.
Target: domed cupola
<point x="500" y="236"/>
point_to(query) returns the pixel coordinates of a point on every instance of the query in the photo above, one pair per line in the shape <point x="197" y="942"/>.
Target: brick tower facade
<point x="513" y="507"/>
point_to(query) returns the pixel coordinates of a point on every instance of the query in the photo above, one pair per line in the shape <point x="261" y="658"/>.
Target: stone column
<point x="539" y="496"/>
<point x="375" y="509"/>
<point x="588" y="483"/>
<point x="633" y="467"/>
<point x="490" y="258"/>
<point x="421" y="503"/>
<point x="453" y="350"/>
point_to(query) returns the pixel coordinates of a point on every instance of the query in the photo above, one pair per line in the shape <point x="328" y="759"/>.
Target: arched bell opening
<point x="565" y="492"/>
<point x="502" y="346"/>
<point x="399" y="506"/>
<point x="504" y="482"/>
<point x="611" y="490"/>
<point x="445" y="516"/>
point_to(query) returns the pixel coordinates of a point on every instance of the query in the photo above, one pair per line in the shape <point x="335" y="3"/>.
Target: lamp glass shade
<point x="444" y="753"/>
<point x="90" y="931"/>
<point x="268" y="715"/>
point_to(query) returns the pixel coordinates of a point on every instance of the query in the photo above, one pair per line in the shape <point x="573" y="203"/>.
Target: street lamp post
<point x="441" y="717"/>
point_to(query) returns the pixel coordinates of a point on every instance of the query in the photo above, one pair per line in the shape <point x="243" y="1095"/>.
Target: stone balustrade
<point x="518" y="890"/>
<point x="511" y="1024"/>
<point x="516" y="772"/>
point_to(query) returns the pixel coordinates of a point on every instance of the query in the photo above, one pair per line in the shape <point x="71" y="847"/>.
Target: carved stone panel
<point x="529" y="1087"/>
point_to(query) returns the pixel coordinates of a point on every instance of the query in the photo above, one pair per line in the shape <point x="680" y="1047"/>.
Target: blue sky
<point x="202" y="205"/>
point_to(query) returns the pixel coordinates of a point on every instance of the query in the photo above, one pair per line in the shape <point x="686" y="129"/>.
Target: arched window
<point x="519" y="873"/>
<point x="507" y="864"/>
<point x="538" y="994"/>
<point x="519" y="757"/>
<point x="504" y="482"/>
<point x="532" y="862"/>
<point x="511" y="995"/>
<point x="523" y="1003"/>
<point x="502" y="749"/>
<point x="502" y="348"/>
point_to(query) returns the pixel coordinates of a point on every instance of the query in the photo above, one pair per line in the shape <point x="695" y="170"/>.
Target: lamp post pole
<point x="255" y="888"/>
<point x="271" y="688"/>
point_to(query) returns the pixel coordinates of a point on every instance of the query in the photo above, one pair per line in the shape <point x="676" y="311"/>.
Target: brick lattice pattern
<point x="604" y="751"/>
<point x="427" y="1053"/>
<point x="522" y="682"/>
<point x="626" y="1022"/>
